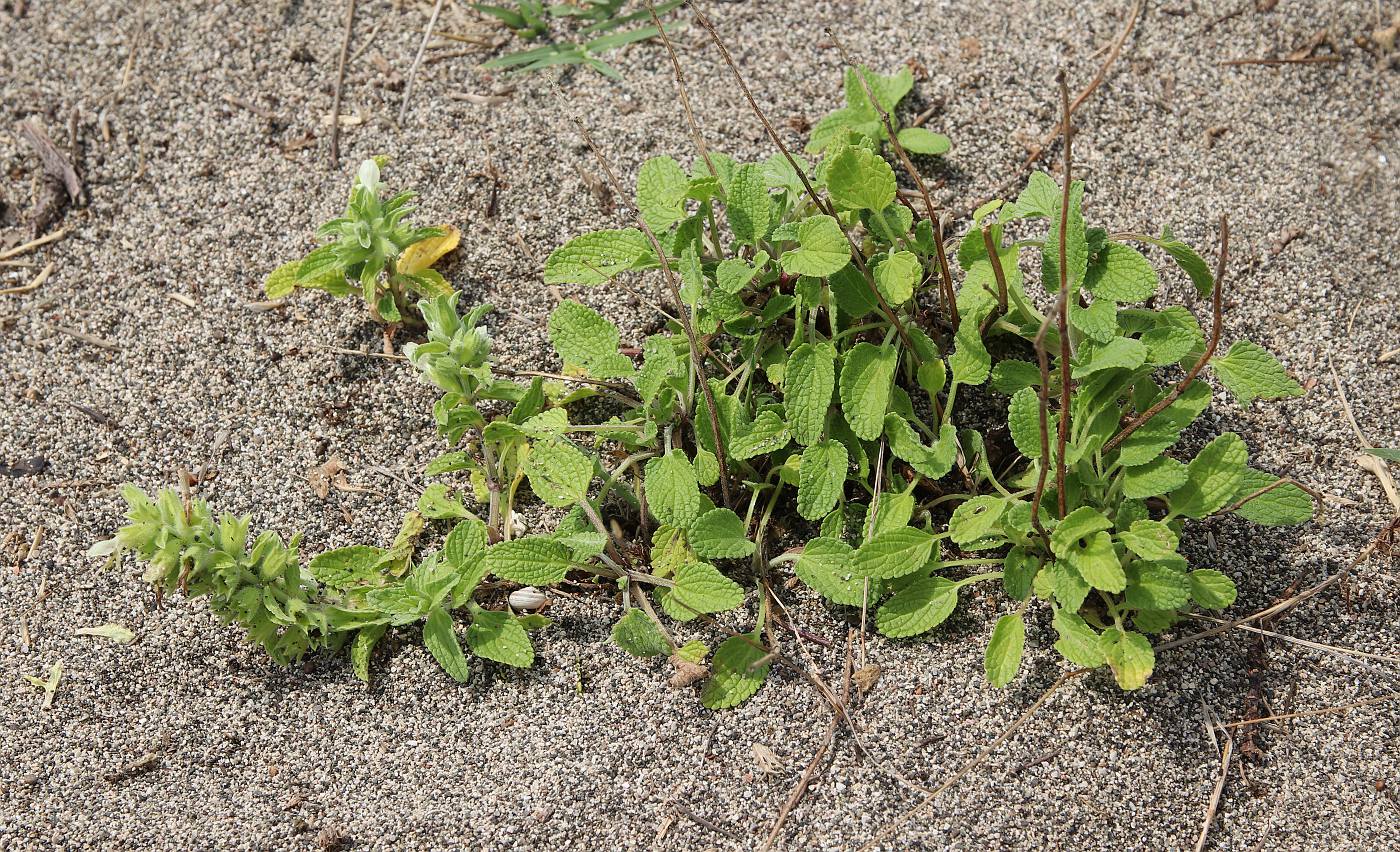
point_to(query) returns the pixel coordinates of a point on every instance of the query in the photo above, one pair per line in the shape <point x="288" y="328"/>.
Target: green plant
<point x="349" y="596"/>
<point x="813" y="368"/>
<point x="374" y="253"/>
<point x="869" y="98"/>
<point x="532" y="19"/>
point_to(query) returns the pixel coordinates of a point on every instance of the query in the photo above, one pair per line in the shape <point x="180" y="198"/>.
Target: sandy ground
<point x="185" y="115"/>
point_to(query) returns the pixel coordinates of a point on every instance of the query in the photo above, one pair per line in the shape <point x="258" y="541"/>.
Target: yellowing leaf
<point x="425" y="253"/>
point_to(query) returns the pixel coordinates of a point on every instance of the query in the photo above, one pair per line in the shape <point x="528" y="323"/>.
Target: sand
<point x="185" y="114"/>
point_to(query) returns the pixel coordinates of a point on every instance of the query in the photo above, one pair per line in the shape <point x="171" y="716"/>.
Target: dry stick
<point x="33" y="244"/>
<point x="1302" y="60"/>
<point x="946" y="284"/>
<point x="32" y="285"/>
<point x="805" y="781"/>
<point x="870" y="531"/>
<point x="695" y="133"/>
<point x="975" y="761"/>
<point x="1225" y="759"/>
<point x="418" y="60"/>
<point x="1260" y="492"/>
<point x="1079" y="100"/>
<point x="995" y="258"/>
<point x="821" y="203"/>
<point x="1308" y="643"/>
<point x="1282" y="606"/>
<point x="706" y="392"/>
<point x="1062" y="306"/>
<point x="340" y="83"/>
<point x="1324" y="711"/>
<point x="1181" y="386"/>
<point x="1044" y="361"/>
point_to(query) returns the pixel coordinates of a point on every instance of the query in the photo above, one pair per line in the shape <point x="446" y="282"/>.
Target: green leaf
<point x="893" y="553"/>
<point x="917" y="140"/>
<point x="970" y="362"/>
<point x="821" y="478"/>
<point x="749" y="209"/>
<point x="362" y="648"/>
<point x="1165" y="427"/>
<point x="933" y="462"/>
<point x="1283" y="505"/>
<point x="1150" y="540"/>
<point x="1121" y="274"/>
<point x="1389" y="454"/>
<point x="497" y="635"/>
<point x="706" y="466"/>
<point x="1157" y="586"/>
<point x="282" y="281"/>
<point x="639" y="636"/>
<point x="1162" y="475"/>
<point x="892" y="512"/>
<point x="734" y="274"/>
<point x="700" y="588"/>
<point x="1004" y="649"/>
<point x="1011" y="375"/>
<point x="1065" y="583"/>
<point x="1078" y="642"/>
<point x="559" y="473"/>
<point x="1212" y="477"/>
<point x="662" y="186"/>
<point x="976" y="518"/>
<point x="867" y="377"/>
<point x="112" y="632"/>
<point x="672" y="491"/>
<point x="1023" y="416"/>
<point x="807" y="387"/>
<point x="1190" y="262"/>
<point x="1130" y="656"/>
<point x="347" y="567"/>
<point x="767" y="434"/>
<point x="659" y="363"/>
<point x="1099" y="321"/>
<point x="584" y="339"/>
<point x="1119" y="353"/>
<point x="1076" y="244"/>
<point x="859" y="179"/>
<point x="441" y="641"/>
<point x="823" y="249"/>
<point x="1250" y="372"/>
<point x="530" y="561"/>
<point x="1019" y="572"/>
<point x="1212" y="589"/>
<point x="735" y="675"/>
<point x="1093" y="557"/>
<point x="693" y="651"/>
<point x="596" y="257"/>
<point x="438" y="503"/>
<point x="917" y="608"/>
<point x="719" y="534"/>
<point x="896" y="276"/>
<point x="825" y="566"/>
<point x="449" y="462"/>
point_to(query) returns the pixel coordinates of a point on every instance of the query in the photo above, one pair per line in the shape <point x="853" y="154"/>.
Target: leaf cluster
<point x="603" y="23"/>
<point x="374" y="252"/>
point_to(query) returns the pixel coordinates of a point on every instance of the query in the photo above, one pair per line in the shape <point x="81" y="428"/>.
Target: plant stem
<point x="1062" y="306"/>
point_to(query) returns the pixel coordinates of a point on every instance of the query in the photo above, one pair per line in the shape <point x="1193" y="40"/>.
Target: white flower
<point x="368" y="176"/>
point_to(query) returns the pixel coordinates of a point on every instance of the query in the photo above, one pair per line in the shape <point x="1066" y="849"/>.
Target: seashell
<point x="528" y="598"/>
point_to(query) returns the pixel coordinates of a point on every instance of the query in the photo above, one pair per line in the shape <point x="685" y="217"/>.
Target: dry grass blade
<point x="805" y="781"/>
<point x="35" y="284"/>
<point x="418" y="60"/>
<point x="1225" y="758"/>
<point x="1322" y="711"/>
<point x="33" y="244"/>
<point x="340" y="83"/>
